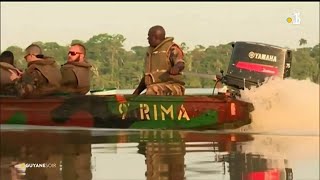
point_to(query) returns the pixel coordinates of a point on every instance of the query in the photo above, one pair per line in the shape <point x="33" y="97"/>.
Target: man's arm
<point x="142" y="86"/>
<point x="69" y="78"/>
<point x="5" y="77"/>
<point x="176" y="59"/>
<point x="29" y="82"/>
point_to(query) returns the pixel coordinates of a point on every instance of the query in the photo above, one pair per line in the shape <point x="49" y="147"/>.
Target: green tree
<point x="77" y="41"/>
<point x="18" y="53"/>
<point x="53" y="49"/>
<point x="302" y="42"/>
<point x="113" y="66"/>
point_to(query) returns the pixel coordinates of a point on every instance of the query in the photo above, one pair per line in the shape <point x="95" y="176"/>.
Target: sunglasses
<point x="72" y="53"/>
<point x="37" y="56"/>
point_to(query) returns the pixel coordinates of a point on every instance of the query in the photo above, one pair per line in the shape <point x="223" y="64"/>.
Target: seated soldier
<point x="163" y="66"/>
<point x="8" y="72"/>
<point x="76" y="72"/>
<point x="42" y="76"/>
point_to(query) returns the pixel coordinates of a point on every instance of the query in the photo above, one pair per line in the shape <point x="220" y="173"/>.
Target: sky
<point x="195" y="23"/>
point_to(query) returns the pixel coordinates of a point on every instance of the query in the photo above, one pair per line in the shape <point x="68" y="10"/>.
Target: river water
<point x="281" y="143"/>
<point x="146" y="154"/>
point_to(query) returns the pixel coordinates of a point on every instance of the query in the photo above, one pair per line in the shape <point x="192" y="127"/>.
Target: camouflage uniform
<point x="6" y="85"/>
<point x="75" y="77"/>
<point x="158" y="62"/>
<point x="164" y="89"/>
<point x="42" y="77"/>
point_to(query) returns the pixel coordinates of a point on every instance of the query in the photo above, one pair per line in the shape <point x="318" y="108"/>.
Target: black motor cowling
<point x="251" y="63"/>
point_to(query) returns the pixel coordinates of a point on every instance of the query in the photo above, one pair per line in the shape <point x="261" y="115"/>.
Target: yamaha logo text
<point x="265" y="57"/>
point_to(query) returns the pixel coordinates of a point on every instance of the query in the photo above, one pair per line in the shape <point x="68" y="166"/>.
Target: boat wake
<point x="287" y="106"/>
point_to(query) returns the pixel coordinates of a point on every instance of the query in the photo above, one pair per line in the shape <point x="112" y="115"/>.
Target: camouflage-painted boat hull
<point x="136" y="112"/>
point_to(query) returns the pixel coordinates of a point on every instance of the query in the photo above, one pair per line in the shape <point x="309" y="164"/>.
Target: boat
<point x="251" y="63"/>
<point x="127" y="111"/>
<point x="103" y="91"/>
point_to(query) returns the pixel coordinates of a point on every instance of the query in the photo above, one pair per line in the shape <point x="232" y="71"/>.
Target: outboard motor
<point x="251" y="63"/>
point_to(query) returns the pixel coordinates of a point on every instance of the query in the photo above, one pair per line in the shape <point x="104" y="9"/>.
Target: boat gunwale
<point x="127" y="98"/>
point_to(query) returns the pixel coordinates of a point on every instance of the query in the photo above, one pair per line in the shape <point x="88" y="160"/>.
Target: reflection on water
<point x="172" y="155"/>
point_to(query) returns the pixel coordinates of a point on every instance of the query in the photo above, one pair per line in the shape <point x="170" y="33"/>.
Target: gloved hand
<point x="177" y="68"/>
<point x="174" y="70"/>
<point x="217" y="77"/>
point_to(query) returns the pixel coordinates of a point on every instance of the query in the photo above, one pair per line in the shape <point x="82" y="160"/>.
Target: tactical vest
<point x="158" y="64"/>
<point x="82" y="72"/>
<point x="49" y="69"/>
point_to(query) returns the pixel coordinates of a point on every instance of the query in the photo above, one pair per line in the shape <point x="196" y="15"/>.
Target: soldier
<point x="42" y="76"/>
<point x="8" y="72"/>
<point x="163" y="65"/>
<point x="76" y="72"/>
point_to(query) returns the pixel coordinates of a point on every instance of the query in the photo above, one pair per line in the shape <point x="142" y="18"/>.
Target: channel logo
<point x="294" y="19"/>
